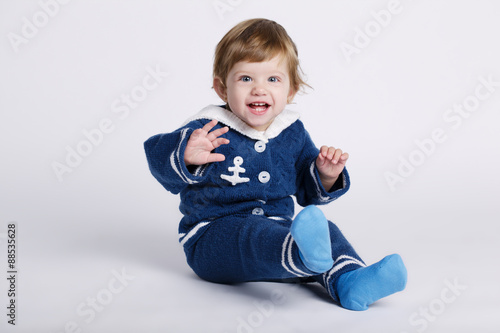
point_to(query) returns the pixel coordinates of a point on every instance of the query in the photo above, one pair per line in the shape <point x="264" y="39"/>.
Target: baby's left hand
<point x="330" y="163"/>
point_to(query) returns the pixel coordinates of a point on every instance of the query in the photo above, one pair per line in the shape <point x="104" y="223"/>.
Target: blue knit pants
<point x="257" y="248"/>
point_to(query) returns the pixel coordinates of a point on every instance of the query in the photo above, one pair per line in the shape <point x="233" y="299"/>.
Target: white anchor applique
<point x="236" y="170"/>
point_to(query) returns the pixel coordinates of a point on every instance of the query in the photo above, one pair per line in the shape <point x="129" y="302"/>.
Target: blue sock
<point x="361" y="287"/>
<point x="311" y="233"/>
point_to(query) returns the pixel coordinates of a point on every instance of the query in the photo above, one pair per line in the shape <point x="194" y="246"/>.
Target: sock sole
<point x="312" y="235"/>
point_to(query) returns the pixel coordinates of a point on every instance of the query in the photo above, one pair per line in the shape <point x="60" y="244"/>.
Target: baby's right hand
<point x="202" y="142"/>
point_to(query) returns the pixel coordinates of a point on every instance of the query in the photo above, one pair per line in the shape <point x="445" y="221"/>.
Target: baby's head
<point x="256" y="71"/>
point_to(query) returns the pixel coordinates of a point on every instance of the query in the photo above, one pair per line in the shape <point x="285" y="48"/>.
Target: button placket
<point x="264" y="176"/>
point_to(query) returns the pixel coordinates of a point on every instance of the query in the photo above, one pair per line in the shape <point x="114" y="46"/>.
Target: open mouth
<point x="258" y="108"/>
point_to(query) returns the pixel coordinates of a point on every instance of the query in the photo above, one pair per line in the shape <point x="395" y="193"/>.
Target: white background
<point x="109" y="215"/>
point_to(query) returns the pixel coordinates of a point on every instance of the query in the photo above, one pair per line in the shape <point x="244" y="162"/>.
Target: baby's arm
<point x="330" y="163"/>
<point x="165" y="154"/>
<point x="202" y="142"/>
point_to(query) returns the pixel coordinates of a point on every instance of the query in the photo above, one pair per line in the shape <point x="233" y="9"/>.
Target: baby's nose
<point x="259" y="89"/>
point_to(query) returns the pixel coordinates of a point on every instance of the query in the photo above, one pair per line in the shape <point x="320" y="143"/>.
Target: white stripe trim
<point x="337" y="266"/>
<point x="317" y="184"/>
<point x="193" y="231"/>
<point x="342" y="265"/>
<point x="283" y="250"/>
<point x="287" y="238"/>
<point x="277" y="218"/>
<point x="344" y="256"/>
<point x="176" y="160"/>
<point x="197" y="170"/>
<point x="176" y="153"/>
<point x="174" y="167"/>
<point x="290" y="259"/>
<point x="184" y="132"/>
<point x="200" y="170"/>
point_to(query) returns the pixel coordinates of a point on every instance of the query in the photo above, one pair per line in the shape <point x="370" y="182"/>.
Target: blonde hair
<point x="257" y="40"/>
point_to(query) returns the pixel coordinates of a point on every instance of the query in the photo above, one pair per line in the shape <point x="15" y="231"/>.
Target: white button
<point x="260" y="146"/>
<point x="264" y="177"/>
<point x="258" y="211"/>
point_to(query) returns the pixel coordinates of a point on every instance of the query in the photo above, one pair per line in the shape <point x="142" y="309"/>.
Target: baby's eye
<point x="245" y="78"/>
<point x="273" y="79"/>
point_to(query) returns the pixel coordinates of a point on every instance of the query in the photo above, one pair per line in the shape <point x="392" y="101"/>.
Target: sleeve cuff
<point x="192" y="174"/>
<point x="340" y="183"/>
<point x="338" y="189"/>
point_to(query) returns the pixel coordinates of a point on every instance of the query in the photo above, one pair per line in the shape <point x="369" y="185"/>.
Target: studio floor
<point x="88" y="276"/>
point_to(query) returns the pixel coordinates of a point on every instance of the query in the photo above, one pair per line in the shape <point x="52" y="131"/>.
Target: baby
<point x="237" y="167"/>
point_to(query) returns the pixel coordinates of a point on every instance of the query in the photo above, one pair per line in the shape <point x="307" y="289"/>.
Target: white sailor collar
<point x="281" y="122"/>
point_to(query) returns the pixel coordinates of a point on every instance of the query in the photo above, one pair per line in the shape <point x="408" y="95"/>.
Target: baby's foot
<point x="311" y="233"/>
<point x="359" y="288"/>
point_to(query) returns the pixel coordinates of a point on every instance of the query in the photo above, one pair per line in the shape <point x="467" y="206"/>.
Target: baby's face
<point x="257" y="92"/>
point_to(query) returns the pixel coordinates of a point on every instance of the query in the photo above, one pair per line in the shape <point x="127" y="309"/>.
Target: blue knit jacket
<point x="261" y="172"/>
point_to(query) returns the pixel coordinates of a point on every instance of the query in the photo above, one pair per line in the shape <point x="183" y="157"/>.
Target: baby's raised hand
<point x="201" y="143"/>
<point x="330" y="163"/>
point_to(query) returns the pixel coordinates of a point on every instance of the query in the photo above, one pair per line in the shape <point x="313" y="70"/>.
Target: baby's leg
<point x="246" y="248"/>
<point x="345" y="259"/>
<point x="355" y="285"/>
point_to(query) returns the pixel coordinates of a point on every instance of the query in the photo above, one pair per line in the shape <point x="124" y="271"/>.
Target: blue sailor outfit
<point x="237" y="213"/>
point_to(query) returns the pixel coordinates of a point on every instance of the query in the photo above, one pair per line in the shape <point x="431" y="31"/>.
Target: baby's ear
<point x="291" y="95"/>
<point x="220" y="88"/>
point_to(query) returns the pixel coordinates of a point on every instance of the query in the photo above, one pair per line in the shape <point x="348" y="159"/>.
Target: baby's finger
<point x="216" y="158"/>
<point x="336" y="156"/>
<point x="216" y="133"/>
<point x="323" y="151"/>
<point x="331" y="153"/>
<point x="219" y="142"/>
<point x="208" y="126"/>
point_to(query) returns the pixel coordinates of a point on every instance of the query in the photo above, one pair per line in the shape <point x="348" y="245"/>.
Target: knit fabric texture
<point x="278" y="163"/>
<point x="238" y="213"/>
